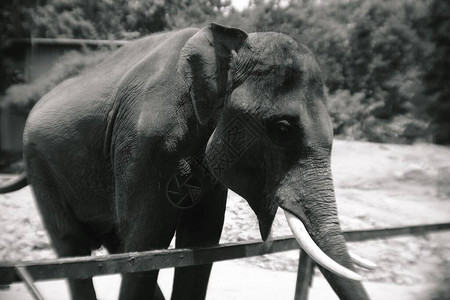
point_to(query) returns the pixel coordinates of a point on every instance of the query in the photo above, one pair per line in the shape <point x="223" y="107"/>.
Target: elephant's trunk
<point x="307" y="197"/>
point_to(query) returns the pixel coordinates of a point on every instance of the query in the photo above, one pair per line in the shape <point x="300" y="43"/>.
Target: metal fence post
<point x="304" y="276"/>
<point x="28" y="280"/>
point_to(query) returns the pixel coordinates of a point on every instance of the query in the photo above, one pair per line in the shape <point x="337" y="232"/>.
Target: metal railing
<point x="84" y="267"/>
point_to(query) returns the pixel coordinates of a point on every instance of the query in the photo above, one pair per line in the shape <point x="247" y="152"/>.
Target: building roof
<point x="64" y="41"/>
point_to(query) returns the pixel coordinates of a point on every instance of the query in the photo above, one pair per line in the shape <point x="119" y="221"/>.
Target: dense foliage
<point x="438" y="74"/>
<point x="373" y="54"/>
<point x="385" y="62"/>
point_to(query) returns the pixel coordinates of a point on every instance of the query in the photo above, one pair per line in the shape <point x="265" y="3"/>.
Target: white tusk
<point x="362" y="262"/>
<point x="306" y="242"/>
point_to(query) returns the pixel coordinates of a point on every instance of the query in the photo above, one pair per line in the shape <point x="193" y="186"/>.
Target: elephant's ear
<point x="204" y="63"/>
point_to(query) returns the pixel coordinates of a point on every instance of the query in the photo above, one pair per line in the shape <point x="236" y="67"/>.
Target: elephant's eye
<point x="281" y="131"/>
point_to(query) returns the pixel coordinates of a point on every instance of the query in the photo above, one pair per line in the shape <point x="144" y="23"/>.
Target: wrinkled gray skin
<point x="101" y="148"/>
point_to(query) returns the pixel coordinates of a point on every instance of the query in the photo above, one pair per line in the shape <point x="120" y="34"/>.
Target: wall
<point x="11" y="129"/>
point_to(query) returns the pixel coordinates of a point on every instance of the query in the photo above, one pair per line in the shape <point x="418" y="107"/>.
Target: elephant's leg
<point x="199" y="226"/>
<point x="148" y="222"/>
<point x="140" y="285"/>
<point x="111" y="243"/>
<point x="66" y="232"/>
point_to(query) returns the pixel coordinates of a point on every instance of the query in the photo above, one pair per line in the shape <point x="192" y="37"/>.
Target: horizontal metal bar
<point x="84" y="267"/>
<point x="363" y="235"/>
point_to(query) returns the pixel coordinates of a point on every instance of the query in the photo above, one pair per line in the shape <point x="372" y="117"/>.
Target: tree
<point x="13" y="23"/>
<point x="187" y="13"/>
<point x="438" y="76"/>
<point x="120" y="19"/>
<point x="386" y="55"/>
<point x="98" y="19"/>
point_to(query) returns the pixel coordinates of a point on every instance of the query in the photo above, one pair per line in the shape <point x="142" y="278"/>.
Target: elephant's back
<point x="101" y="82"/>
<point x="83" y="105"/>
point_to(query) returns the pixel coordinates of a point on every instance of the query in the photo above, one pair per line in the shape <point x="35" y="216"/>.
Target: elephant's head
<point x="273" y="136"/>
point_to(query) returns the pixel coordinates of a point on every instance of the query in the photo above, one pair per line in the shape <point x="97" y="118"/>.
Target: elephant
<point x="148" y="143"/>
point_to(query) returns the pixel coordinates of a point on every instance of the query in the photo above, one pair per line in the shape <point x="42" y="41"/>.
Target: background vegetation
<point x="386" y="62"/>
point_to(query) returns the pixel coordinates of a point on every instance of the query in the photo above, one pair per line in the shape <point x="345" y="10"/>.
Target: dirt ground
<point x="377" y="185"/>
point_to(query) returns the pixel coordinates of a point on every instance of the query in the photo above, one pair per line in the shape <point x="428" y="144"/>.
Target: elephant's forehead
<point x="279" y="61"/>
